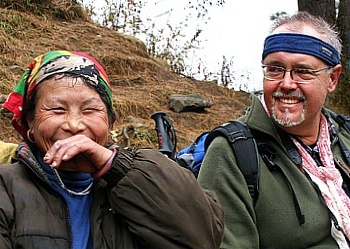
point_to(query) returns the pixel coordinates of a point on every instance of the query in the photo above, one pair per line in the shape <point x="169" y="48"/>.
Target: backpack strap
<point x="244" y="145"/>
<point x="291" y="148"/>
<point x="343" y="121"/>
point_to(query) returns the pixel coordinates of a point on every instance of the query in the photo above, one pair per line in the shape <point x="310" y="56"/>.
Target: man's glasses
<point x="299" y="75"/>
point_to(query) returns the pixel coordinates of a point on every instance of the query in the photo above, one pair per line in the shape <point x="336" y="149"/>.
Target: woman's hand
<point x="77" y="153"/>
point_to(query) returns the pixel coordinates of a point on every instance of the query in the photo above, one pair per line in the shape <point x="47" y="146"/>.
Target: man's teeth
<point x="289" y="101"/>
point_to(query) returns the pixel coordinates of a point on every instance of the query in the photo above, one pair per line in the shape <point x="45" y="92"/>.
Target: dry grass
<point x="141" y="84"/>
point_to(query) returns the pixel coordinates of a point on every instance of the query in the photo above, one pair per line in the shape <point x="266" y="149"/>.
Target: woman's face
<point x="67" y="107"/>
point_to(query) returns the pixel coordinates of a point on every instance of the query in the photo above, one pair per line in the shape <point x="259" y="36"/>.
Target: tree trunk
<point x="340" y="99"/>
<point x="323" y="8"/>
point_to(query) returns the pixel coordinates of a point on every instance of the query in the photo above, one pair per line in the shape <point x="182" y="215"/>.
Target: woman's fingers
<point x="78" y="153"/>
<point x="62" y="150"/>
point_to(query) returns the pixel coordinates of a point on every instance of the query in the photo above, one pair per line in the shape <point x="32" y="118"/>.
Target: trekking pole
<point x="165" y="133"/>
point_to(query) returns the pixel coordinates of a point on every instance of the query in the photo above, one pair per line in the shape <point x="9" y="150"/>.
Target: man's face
<point x="289" y="102"/>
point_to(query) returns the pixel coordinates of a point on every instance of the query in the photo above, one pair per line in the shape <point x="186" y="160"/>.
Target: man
<point x="303" y="204"/>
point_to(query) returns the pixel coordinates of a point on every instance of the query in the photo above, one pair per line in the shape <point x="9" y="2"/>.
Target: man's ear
<point x="334" y="77"/>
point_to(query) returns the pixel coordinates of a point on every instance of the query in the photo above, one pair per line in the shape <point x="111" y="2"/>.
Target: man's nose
<point x="287" y="81"/>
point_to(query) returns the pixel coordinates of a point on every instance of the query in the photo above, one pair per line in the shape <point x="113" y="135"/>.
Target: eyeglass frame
<point x="312" y="71"/>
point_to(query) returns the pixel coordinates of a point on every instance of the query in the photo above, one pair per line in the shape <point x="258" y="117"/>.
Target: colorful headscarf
<point x="52" y="63"/>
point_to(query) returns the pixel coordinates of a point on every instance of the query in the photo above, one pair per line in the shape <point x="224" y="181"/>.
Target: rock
<point x="188" y="103"/>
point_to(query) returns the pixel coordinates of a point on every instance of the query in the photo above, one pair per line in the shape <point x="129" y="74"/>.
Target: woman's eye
<point x="90" y="109"/>
<point x="58" y="109"/>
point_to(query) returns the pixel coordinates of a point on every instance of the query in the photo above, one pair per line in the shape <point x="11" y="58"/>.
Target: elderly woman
<point x="72" y="188"/>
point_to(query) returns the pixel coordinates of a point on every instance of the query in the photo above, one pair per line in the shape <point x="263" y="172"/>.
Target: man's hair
<point x="327" y="32"/>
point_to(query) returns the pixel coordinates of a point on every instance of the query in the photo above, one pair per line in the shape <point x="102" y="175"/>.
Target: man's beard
<point x="287" y="121"/>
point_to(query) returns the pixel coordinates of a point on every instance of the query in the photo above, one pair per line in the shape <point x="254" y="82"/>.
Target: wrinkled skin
<point x="70" y="125"/>
<point x="297" y="107"/>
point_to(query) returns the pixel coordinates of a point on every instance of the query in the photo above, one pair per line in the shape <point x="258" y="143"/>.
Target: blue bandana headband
<point x="303" y="44"/>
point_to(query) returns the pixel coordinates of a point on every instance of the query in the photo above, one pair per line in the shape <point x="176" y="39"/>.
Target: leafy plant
<point x="6" y="27"/>
<point x="168" y="41"/>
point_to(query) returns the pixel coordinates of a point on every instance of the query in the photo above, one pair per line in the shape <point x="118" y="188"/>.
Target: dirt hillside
<point x="141" y="84"/>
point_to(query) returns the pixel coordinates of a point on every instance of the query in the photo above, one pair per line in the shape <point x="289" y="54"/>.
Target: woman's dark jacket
<point x="144" y="201"/>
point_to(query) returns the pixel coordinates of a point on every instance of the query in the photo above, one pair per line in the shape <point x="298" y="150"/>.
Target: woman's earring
<point x="28" y="137"/>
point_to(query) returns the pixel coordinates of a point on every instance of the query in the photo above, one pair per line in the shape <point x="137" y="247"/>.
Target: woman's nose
<point x="74" y="124"/>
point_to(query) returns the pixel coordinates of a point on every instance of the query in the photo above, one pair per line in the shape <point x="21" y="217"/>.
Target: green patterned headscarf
<point x="57" y="62"/>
